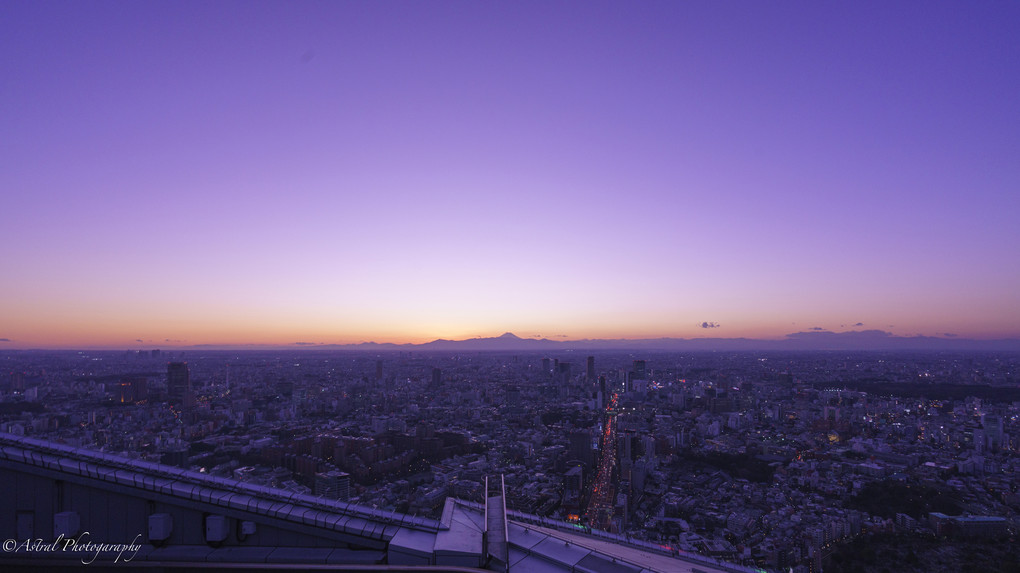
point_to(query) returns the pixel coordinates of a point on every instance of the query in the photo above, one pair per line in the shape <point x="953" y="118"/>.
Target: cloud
<point x="709" y="325"/>
<point x="6" y="340"/>
<point x="560" y="336"/>
<point x="859" y="324"/>
<point x="139" y="340"/>
<point x="306" y="343"/>
<point x="949" y="334"/>
<point x="855" y="335"/>
<point x="816" y="328"/>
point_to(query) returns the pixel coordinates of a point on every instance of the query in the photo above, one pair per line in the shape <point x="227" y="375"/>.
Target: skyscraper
<point x="178" y="381"/>
<point x="590" y="373"/>
<point x="993" y="432"/>
<point x="640" y="372"/>
<point x="580" y="447"/>
<point x="123" y="392"/>
<point x="129" y="389"/>
<point x="562" y="372"/>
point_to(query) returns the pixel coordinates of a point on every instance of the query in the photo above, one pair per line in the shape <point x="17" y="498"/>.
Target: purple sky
<point x="213" y="172"/>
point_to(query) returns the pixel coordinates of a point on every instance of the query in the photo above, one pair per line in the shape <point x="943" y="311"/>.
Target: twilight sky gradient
<point x="263" y="172"/>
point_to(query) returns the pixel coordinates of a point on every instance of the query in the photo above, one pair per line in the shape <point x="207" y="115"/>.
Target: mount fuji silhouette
<point x="815" y="340"/>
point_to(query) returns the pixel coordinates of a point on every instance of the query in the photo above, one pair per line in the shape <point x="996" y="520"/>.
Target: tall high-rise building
<point x="580" y="447"/>
<point x="129" y="389"/>
<point x="993" y="432"/>
<point x="573" y="486"/>
<point x="624" y="446"/>
<point x="545" y="366"/>
<point x="590" y="373"/>
<point x="178" y="381"/>
<point x="17" y="381"/>
<point x="140" y="387"/>
<point x="562" y="372"/>
<point x="123" y="392"/>
<point x="640" y="371"/>
<point x="513" y="396"/>
<point x="378" y="369"/>
<point x="437" y="378"/>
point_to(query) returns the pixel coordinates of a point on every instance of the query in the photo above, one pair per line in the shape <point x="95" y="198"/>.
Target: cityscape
<point x="777" y="461"/>
<point x="531" y="287"/>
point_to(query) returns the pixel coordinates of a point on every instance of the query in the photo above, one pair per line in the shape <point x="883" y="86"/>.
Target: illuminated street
<point x="600" y="506"/>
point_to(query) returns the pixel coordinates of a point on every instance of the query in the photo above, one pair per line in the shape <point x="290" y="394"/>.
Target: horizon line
<point x="875" y="334"/>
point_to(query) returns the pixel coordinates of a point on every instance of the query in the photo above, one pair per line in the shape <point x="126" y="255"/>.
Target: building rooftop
<point x="283" y="527"/>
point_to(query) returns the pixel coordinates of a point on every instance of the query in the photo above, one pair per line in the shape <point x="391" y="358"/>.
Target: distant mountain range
<point x="798" y="341"/>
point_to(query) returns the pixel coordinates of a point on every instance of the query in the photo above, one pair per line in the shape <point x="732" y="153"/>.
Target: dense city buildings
<point x="775" y="461"/>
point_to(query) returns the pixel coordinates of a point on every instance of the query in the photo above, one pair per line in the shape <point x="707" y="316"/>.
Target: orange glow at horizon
<point x="111" y="336"/>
